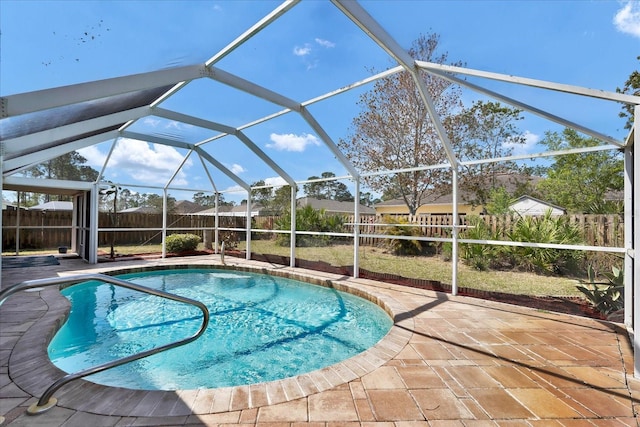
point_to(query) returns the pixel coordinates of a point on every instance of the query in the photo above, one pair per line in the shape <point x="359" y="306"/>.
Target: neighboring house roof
<point x="527" y="205"/>
<point x="333" y="206"/>
<point x="185" y="206"/>
<point x="10" y="206"/>
<point x="239" y="210"/>
<point x="509" y="181"/>
<point x="139" y="209"/>
<point x="53" y="206"/>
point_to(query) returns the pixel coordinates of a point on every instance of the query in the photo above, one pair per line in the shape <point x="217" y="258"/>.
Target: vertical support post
<point x="164" y="223"/>
<point x="356" y="231"/>
<point x="248" y="226"/>
<point x="18" y="224"/>
<point x="93" y="225"/>
<point x="77" y="201"/>
<point x="636" y="244"/>
<point x="454" y="231"/>
<point x="217" y="222"/>
<point x="1" y="186"/>
<point x="292" y="239"/>
<point x="628" y="234"/>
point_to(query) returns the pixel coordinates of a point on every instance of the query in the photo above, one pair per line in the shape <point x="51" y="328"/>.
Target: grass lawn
<point x="429" y="267"/>
<point x="375" y="259"/>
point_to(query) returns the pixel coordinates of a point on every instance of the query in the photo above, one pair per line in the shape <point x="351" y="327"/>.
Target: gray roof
<point x="139" y="209"/>
<point x="508" y="181"/>
<point x="333" y="206"/>
<point x="53" y="206"/>
<point x="185" y="206"/>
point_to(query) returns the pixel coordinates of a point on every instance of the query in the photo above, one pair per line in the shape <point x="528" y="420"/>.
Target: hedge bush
<point x="177" y="243"/>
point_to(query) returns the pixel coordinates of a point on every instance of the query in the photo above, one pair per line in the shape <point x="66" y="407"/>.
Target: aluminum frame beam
<point x="542" y="84"/>
<point x="26" y="161"/>
<point x="527" y="107"/>
<point x="26" y="143"/>
<point x="14" y="105"/>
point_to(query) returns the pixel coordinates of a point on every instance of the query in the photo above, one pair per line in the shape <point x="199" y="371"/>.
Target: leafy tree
<point x="209" y="200"/>
<point x="631" y="86"/>
<point x="367" y="199"/>
<point x="490" y="132"/>
<point x="578" y="181"/>
<point x="206" y="200"/>
<point x="394" y="130"/>
<point x="275" y="201"/>
<point x="499" y="201"/>
<point x="155" y="201"/>
<point x="332" y="190"/>
<point x="70" y="166"/>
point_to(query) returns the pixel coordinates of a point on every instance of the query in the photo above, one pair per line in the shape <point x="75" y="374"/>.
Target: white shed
<point x="527" y="205"/>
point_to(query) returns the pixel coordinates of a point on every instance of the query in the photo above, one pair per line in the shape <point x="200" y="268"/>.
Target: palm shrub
<point x="544" y="229"/>
<point x="401" y="227"/>
<point x="310" y="219"/>
<point x="605" y="296"/>
<point x="479" y="256"/>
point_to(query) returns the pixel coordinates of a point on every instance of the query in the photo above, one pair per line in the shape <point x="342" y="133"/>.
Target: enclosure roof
<point x="41" y="125"/>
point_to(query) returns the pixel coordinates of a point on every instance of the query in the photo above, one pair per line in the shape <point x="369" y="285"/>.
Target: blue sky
<point x="311" y="50"/>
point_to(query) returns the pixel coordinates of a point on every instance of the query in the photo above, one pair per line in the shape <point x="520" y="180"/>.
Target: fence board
<point x="598" y="230"/>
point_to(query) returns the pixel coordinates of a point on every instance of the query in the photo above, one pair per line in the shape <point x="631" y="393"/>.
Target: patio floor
<point x="448" y="361"/>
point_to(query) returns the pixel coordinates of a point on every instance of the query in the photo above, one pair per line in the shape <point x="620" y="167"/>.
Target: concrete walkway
<point x="448" y="361"/>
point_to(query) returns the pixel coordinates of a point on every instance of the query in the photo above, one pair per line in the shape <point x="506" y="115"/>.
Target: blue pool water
<point x="262" y="328"/>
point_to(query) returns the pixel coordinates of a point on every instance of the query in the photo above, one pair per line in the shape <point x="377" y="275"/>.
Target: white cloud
<point x="151" y="121"/>
<point x="233" y="189"/>
<point x="149" y="163"/>
<point x="302" y="51"/>
<point x="627" y="19"/>
<point x="530" y="141"/>
<point x="236" y="168"/>
<point x="291" y="142"/>
<point x="276" y="181"/>
<point x="325" y="43"/>
<point x="95" y="158"/>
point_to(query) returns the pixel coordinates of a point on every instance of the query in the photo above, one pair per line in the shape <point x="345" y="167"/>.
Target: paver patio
<point x="448" y="361"/>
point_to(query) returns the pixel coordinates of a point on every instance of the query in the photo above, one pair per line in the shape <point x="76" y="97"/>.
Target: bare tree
<point x="394" y="129"/>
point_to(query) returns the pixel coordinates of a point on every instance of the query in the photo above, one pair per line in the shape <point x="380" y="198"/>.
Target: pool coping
<point x="31" y="369"/>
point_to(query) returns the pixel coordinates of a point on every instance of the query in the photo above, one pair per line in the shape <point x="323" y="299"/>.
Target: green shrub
<point x="544" y="229"/>
<point x="606" y="297"/>
<point x="177" y="243"/>
<point x="402" y="246"/>
<point x="479" y="256"/>
<point x="310" y="219"/>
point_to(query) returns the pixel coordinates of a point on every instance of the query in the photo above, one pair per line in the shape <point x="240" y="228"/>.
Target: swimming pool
<point x="262" y="328"/>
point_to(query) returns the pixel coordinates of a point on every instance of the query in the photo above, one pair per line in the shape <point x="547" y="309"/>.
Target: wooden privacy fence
<point x="50" y="229"/>
<point x="598" y="230"/>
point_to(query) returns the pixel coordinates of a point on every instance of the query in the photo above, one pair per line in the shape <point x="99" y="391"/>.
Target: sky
<point x="311" y="50"/>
